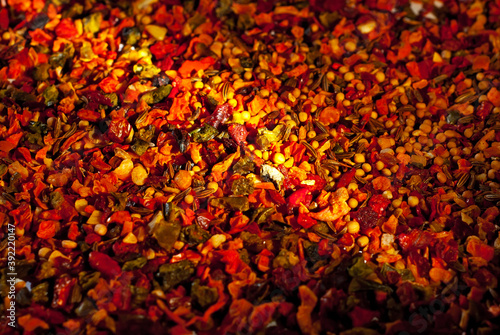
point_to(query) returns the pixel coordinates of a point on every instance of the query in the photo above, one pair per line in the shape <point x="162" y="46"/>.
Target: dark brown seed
<point x="321" y="127"/>
<point x="316" y="83"/>
<point x="205" y="193"/>
<point x="311" y="150"/>
<point x="463" y="179"/>
<point x="225" y="90"/>
<point x="181" y="195"/>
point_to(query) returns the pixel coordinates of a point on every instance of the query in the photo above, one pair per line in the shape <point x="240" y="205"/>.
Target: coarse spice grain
<point x="251" y="167"/>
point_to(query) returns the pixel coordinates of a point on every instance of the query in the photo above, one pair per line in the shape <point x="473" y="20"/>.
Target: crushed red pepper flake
<point x="251" y="167"/>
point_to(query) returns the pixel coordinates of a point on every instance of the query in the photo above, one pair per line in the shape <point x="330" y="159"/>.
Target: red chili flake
<point x="238" y="132"/>
<point x="220" y="116"/>
<point x="118" y="130"/>
<point x="104" y="264"/>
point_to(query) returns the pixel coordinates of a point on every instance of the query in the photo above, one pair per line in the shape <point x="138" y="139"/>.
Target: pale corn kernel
<point x="68" y="244"/>
<point x="44" y="252"/>
<point x="100" y="229"/>
<point x="139" y="175"/>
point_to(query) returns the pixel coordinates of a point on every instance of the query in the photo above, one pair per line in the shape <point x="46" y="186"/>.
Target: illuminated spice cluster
<point x="239" y="167"/>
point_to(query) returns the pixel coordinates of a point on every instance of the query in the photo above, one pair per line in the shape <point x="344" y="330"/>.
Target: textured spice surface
<point x="238" y="167"/>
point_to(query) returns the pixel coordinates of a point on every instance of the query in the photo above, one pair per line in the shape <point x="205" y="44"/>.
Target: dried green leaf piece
<point x="41" y="72"/>
<point x="167" y="233"/>
<point x="88" y="279"/>
<point x="92" y="23"/>
<point x="40" y="293"/>
<point x="242" y="186"/>
<point x="157" y="95"/>
<point x="134" y="264"/>
<point x="244" y="165"/>
<point x="203" y="295"/>
<point x="140" y="147"/>
<point x="204" y="134"/>
<point x="50" y="95"/>
<point x="175" y="273"/>
<point x="232" y="203"/>
<point x="194" y="235"/>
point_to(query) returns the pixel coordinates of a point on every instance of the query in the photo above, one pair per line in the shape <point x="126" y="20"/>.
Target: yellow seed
<point x="233" y="102"/>
<point x="353" y="203"/>
<point x="468" y="132"/>
<point x="379" y="165"/>
<point x="279" y="158"/>
<point x="213" y="186"/>
<point x="189" y="199"/>
<point x="441" y="177"/>
<point x="330" y="76"/>
<point x="248" y="75"/>
<point x="359" y="158"/>
<point x="380" y="76"/>
<point x="245" y="115"/>
<point x="130" y="238"/>
<point x="363" y="241"/>
<point x="348" y="76"/>
<point x="289" y="163"/>
<point x="95" y="217"/>
<point x="198" y="85"/>
<point x="237" y="117"/>
<point x="386" y="172"/>
<point x="264" y="92"/>
<point x="343" y="69"/>
<point x="258" y="153"/>
<point x="303" y="117"/>
<point x="293" y="138"/>
<point x="397" y="202"/>
<point x="350" y="46"/>
<point x="315" y="144"/>
<point x="139" y="175"/>
<point x="412" y="201"/>
<point x="80" y="204"/>
<point x="360" y="172"/>
<point x="366" y="167"/>
<point x="69" y="244"/>
<point x="495" y="165"/>
<point x="311" y="134"/>
<point x="360" y="87"/>
<point x="352" y="187"/>
<point x="352" y="227"/>
<point x="265" y="155"/>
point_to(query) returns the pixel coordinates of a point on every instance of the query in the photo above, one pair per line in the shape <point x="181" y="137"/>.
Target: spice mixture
<point x="239" y="167"/>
